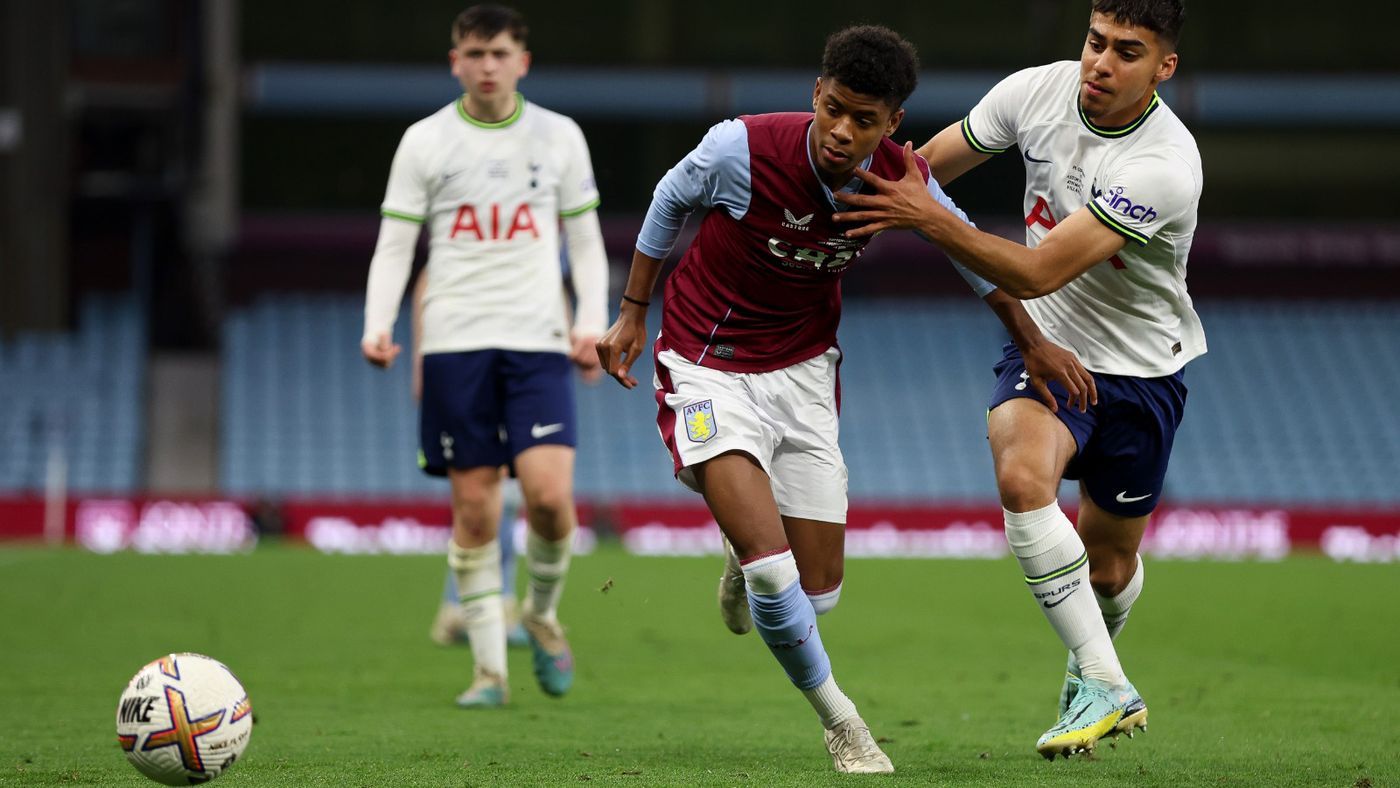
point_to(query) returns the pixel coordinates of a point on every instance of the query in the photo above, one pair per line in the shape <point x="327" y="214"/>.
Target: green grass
<point x="1257" y="674"/>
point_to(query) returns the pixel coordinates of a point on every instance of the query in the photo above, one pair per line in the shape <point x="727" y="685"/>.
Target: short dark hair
<point x="489" y="20"/>
<point x="874" y="61"/>
<point x="1163" y="17"/>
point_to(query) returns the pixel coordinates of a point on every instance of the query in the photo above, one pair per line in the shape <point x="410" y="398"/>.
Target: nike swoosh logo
<point x="537" y="431"/>
<point x="447" y="176"/>
<point x="1049" y="605"/>
<point x="1029" y="157"/>
<point x="1122" y="497"/>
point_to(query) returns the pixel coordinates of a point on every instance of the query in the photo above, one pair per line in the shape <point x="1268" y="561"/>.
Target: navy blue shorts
<point x="1124" y="441"/>
<point x="484" y="407"/>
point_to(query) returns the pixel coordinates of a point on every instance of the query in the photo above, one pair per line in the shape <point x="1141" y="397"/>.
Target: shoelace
<point x="1080" y="704"/>
<point x="851" y="747"/>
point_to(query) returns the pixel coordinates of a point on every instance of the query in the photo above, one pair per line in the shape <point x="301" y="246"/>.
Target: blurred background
<point x="189" y="196"/>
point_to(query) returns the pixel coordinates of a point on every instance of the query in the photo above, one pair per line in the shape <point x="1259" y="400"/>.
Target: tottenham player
<point x="1113" y="179"/>
<point x="746" y="362"/>
<point x="492" y="175"/>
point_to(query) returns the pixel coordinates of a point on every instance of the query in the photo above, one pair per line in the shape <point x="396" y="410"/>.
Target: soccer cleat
<point x="734" y="594"/>
<point x="1098" y="710"/>
<point x="854" y="751"/>
<point x="553" y="660"/>
<point x="1070" y="686"/>
<point x="449" y="625"/>
<point x="488" y="691"/>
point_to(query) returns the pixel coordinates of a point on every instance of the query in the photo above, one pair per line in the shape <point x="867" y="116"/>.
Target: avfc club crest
<point x="700" y="421"/>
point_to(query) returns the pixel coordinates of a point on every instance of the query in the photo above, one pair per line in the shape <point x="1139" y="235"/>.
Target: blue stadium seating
<point x="1292" y="405"/>
<point x="77" y="396"/>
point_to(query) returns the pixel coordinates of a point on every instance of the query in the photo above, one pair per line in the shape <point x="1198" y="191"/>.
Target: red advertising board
<point x="686" y="528"/>
<point x="147" y="525"/>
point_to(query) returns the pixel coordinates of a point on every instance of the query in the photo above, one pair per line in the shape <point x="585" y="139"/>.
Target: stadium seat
<point x="1268" y="421"/>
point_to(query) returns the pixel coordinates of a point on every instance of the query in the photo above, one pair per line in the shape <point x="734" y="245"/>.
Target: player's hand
<point x="904" y="203"/>
<point x="380" y="352"/>
<point x="1047" y="361"/>
<point x="619" y="347"/>
<point x="584" y="354"/>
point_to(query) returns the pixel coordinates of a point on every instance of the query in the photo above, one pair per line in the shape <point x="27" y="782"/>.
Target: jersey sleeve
<point x="1144" y="194"/>
<point x="979" y="285"/>
<point x="578" y="191"/>
<point x="715" y="174"/>
<point x="991" y="127"/>
<point x="406" y="196"/>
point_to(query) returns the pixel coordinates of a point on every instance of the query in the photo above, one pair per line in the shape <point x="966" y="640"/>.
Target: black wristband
<point x="629" y="299"/>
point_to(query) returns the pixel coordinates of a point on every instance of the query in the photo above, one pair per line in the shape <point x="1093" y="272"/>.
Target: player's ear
<point x="816" y="93"/>
<point x="1168" y="68"/>
<point x="524" y="62"/>
<point x="893" y="125"/>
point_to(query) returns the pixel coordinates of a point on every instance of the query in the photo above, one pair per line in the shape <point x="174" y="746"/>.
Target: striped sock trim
<point x="754" y="559"/>
<point x="1061" y="572"/>
<point x="481" y="595"/>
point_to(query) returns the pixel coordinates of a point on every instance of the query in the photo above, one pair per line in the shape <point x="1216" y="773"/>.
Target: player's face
<point x="489" y="67"/>
<point x="848" y="127"/>
<point x="1119" y="70"/>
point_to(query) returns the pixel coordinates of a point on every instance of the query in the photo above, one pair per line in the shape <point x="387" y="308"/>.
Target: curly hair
<point x="1163" y="17"/>
<point x="872" y="60"/>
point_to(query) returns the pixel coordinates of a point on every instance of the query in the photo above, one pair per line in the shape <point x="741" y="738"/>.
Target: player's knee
<point x="1022" y="489"/>
<point x="824" y="600"/>
<point x="1109" y="575"/>
<point x="471" y="514"/>
<point x="547" y="504"/>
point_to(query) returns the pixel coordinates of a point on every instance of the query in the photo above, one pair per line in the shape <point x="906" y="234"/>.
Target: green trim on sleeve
<point x="407" y="217"/>
<point x="581" y="210"/>
<point x="972" y="140"/>
<point x="1114" y="225"/>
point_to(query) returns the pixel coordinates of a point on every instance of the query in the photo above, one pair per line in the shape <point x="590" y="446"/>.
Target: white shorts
<point x="785" y="419"/>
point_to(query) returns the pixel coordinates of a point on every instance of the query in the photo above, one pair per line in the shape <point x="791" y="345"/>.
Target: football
<point x="184" y="719"/>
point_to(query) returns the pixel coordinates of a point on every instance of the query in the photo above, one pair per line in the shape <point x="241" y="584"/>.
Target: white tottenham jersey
<point x="492" y="195"/>
<point x="1129" y="315"/>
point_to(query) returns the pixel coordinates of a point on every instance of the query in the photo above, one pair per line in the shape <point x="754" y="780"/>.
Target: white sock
<point x="546" y="563"/>
<point x="478" y="574"/>
<point x="1056" y="567"/>
<point x="824" y="602"/>
<point x="830" y="703"/>
<point x="1116" y="609"/>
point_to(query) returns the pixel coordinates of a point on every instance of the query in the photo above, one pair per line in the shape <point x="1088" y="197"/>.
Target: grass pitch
<point x="1277" y="674"/>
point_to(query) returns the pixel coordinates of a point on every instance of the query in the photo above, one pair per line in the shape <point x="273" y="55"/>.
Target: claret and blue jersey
<point x="759" y="288"/>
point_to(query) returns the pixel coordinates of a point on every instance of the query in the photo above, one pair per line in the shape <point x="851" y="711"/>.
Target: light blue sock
<point x="784" y="618"/>
<point x="510" y="510"/>
<point x="449" y="587"/>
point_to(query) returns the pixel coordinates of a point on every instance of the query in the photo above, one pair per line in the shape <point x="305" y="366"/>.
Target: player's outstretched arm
<point x="949" y="155"/>
<point x="1075" y="245"/>
<point x="620" y="345"/>
<point x="1045" y="361"/>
